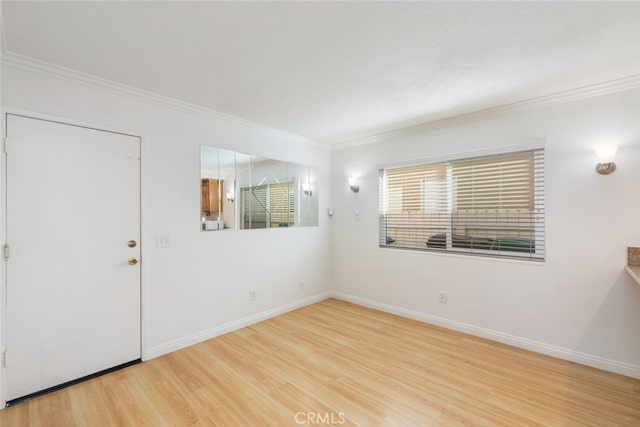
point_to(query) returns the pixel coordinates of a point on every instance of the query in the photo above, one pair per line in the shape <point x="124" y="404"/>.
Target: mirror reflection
<point x="217" y="174"/>
<point x="242" y="191"/>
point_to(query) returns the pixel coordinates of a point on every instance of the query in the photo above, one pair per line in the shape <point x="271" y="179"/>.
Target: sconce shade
<point x="605" y="168"/>
<point x="353" y="185"/>
<point x="306" y="189"/>
<point x="605" y="164"/>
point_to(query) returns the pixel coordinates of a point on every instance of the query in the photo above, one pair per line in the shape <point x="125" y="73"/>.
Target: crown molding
<point x="3" y="38"/>
<point x="24" y="63"/>
<point x="50" y="70"/>
<point x="599" y="89"/>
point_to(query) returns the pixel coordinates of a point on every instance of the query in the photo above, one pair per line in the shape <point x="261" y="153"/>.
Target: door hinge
<point x="4" y="358"/>
<point x="5" y="250"/>
<point x="5" y="143"/>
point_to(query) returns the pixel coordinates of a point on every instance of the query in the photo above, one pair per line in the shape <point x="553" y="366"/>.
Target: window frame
<point x="536" y="226"/>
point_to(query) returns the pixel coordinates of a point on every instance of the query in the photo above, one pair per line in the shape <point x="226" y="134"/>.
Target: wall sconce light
<point x="605" y="164"/>
<point x="353" y="185"/>
<point x="231" y="197"/>
<point x="306" y="189"/>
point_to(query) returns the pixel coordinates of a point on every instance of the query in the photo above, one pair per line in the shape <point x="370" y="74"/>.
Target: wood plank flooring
<point x="335" y="363"/>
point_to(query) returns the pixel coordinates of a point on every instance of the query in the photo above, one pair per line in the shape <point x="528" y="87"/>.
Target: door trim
<point x="6" y="111"/>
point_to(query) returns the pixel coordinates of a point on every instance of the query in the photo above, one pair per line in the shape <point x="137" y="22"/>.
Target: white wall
<point x="200" y="286"/>
<point x="580" y="304"/>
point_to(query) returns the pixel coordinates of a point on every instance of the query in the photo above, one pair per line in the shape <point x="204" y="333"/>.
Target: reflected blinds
<point x="269" y="205"/>
<point x="487" y="205"/>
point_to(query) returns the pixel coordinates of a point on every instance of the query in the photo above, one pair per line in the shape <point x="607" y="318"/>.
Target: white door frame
<point x="3" y="233"/>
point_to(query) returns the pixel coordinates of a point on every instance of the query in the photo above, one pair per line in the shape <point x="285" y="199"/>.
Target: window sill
<point x="634" y="272"/>
<point x="476" y="256"/>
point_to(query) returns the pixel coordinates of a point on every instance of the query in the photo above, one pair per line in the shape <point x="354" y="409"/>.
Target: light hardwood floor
<point x="335" y="363"/>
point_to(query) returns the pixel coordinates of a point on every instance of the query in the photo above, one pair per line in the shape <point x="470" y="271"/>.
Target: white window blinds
<point x="490" y="205"/>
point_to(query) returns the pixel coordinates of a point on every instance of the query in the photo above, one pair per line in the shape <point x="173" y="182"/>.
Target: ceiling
<point x="335" y="71"/>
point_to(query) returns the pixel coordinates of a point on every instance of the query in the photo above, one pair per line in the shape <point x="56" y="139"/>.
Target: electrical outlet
<point x="442" y="297"/>
<point x="301" y="286"/>
<point x="252" y="295"/>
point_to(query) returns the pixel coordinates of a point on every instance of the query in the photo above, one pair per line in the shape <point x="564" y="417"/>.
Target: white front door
<point x="73" y="298"/>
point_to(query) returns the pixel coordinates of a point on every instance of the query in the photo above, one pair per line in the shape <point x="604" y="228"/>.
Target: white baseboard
<point x="621" y="368"/>
<point x="180" y="343"/>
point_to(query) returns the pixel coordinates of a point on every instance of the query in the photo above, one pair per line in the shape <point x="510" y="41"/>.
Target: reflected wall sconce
<point x="306" y="189"/>
<point x="231" y="197"/>
<point x="605" y="164"/>
<point x="353" y="185"/>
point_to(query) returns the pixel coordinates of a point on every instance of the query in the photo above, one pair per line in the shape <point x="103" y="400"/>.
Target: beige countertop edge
<point x="634" y="271"/>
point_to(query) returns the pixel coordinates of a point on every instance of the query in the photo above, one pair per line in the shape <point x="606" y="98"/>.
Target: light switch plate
<point x="163" y="240"/>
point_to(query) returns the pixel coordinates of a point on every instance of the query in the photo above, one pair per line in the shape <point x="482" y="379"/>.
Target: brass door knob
<point x="132" y="243"/>
<point x="133" y="261"/>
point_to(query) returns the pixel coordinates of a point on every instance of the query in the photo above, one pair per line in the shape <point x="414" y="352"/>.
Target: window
<point x="492" y="205"/>
<point x="268" y="205"/>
